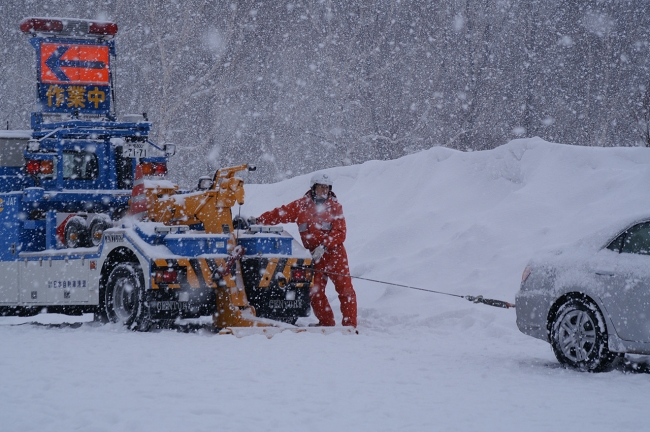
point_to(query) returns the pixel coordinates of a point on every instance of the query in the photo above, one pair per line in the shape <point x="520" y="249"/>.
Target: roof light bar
<point x="68" y="27"/>
<point x="38" y="25"/>
<point x="102" y="28"/>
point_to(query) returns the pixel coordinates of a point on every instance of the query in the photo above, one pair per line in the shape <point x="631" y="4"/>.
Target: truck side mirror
<point x="205" y="183"/>
<point x="170" y="149"/>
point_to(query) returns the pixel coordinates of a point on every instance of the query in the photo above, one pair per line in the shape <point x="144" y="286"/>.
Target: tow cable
<point x="473" y="299"/>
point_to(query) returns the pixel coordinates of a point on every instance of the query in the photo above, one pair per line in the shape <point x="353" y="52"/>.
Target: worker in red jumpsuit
<point x="322" y="229"/>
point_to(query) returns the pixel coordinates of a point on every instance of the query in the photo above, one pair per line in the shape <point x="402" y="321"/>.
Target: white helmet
<point x="321" y="178"/>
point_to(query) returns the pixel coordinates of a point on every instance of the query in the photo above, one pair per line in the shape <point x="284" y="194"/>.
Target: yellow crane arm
<point x="211" y="207"/>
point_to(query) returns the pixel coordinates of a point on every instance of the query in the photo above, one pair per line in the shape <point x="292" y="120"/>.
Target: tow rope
<point x="473" y="299"/>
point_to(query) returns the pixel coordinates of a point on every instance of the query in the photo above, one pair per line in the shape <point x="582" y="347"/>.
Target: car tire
<point x="96" y="230"/>
<point x="579" y="337"/>
<point x="76" y="233"/>
<point x="124" y="297"/>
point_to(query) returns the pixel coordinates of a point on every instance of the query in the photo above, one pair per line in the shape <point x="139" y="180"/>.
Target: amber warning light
<point x="35" y="167"/>
<point x="154" y="168"/>
<point x="68" y="27"/>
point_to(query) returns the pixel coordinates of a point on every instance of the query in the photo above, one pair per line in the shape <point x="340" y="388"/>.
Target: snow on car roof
<point x="589" y="244"/>
<point x="602" y="237"/>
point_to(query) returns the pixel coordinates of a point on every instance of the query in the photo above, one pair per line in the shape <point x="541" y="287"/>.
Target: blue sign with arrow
<point x="54" y="63"/>
<point x="74" y="76"/>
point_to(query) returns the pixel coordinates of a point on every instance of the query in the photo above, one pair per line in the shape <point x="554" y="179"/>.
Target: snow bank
<point x="467" y="223"/>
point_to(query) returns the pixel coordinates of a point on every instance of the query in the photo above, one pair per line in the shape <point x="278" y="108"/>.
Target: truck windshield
<point x="80" y="166"/>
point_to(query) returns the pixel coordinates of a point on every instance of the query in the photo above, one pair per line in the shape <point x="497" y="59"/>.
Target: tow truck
<point x="90" y="224"/>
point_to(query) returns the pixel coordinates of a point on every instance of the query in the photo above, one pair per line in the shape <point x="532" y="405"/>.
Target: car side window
<point x="636" y="240"/>
<point x="617" y="243"/>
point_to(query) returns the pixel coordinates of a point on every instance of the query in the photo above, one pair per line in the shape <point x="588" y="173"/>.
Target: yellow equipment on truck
<point x="266" y="274"/>
<point x="211" y="207"/>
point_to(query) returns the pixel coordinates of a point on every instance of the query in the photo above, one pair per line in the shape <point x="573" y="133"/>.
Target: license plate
<point x="162" y="306"/>
<point x="134" y="150"/>
<point x="285" y="304"/>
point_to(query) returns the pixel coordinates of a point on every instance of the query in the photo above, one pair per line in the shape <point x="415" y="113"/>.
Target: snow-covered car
<point x="591" y="301"/>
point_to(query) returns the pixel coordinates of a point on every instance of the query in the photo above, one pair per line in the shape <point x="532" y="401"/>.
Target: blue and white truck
<point x="67" y="244"/>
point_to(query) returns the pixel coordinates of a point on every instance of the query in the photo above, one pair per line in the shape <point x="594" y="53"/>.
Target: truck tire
<point x="119" y="213"/>
<point x="96" y="230"/>
<point x="125" y="297"/>
<point x="76" y="233"/>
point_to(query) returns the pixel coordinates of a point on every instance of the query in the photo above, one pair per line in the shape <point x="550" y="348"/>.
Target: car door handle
<point x="605" y="273"/>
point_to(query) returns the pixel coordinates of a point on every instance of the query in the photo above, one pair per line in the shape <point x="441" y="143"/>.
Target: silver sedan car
<point x="591" y="301"/>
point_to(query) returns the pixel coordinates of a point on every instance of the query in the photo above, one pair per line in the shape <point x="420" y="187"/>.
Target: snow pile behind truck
<point x="468" y="222"/>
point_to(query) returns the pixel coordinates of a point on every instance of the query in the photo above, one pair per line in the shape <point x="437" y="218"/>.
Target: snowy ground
<point x="464" y="223"/>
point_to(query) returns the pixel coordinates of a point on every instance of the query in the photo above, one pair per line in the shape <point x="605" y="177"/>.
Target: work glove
<point x="318" y="253"/>
<point x="252" y="220"/>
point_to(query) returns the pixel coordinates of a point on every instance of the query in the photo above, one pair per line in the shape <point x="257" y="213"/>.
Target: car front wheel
<point x="579" y="337"/>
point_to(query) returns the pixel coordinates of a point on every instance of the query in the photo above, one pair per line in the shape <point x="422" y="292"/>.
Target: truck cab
<point x="82" y="168"/>
<point x="91" y="165"/>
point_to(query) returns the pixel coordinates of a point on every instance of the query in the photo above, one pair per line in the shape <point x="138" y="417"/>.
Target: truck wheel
<point x="119" y="213"/>
<point x="75" y="234"/>
<point x="96" y="230"/>
<point x="125" y="297"/>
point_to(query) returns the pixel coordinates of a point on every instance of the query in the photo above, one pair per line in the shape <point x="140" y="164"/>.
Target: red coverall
<point x="322" y="224"/>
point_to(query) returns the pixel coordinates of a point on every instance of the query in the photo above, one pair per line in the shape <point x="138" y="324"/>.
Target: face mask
<point x="322" y="197"/>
